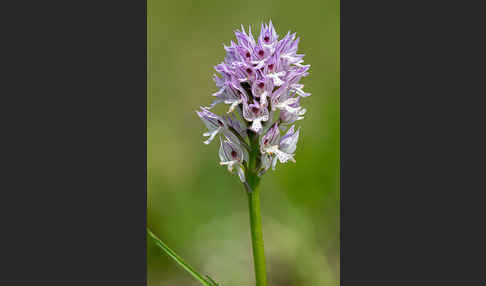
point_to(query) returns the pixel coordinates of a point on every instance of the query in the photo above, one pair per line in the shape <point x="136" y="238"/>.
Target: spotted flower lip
<point x="259" y="82"/>
<point x="256" y="113"/>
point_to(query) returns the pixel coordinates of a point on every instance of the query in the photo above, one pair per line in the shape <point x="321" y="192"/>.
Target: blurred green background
<point x="193" y="204"/>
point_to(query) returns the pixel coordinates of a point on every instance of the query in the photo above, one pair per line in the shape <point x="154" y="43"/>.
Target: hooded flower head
<point x="258" y="78"/>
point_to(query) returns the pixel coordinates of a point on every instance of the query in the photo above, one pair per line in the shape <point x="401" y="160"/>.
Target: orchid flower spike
<point x="258" y="78"/>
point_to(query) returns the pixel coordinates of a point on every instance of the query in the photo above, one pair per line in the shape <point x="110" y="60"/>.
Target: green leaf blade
<point x="181" y="262"/>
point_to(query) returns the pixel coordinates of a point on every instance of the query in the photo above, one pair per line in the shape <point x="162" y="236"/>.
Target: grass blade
<point x="181" y="262"/>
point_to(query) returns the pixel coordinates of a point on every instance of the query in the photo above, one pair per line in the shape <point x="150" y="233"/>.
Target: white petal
<point x="256" y="125"/>
<point x="211" y="135"/>
<point x="221" y="154"/>
<point x="276" y="78"/>
<point x="274" y="163"/>
<point x="233" y="106"/>
<point x="285" y="105"/>
<point x="241" y="173"/>
<point x="284" y="157"/>
<point x="230" y="165"/>
<point x="214" y="103"/>
<point x="263" y="98"/>
<point x="291" y="101"/>
<point x="259" y="64"/>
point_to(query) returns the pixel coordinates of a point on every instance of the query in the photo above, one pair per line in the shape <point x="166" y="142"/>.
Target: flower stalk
<point x="257" y="237"/>
<point x="255" y="213"/>
<point x="253" y="193"/>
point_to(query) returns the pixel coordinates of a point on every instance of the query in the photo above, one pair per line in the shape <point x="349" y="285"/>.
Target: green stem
<point x="257" y="237"/>
<point x="255" y="214"/>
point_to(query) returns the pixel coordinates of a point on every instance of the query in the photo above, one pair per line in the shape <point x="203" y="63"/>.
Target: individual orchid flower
<point x="283" y="149"/>
<point x="267" y="143"/>
<point x="231" y="94"/>
<point x="213" y="122"/>
<point x="245" y="40"/>
<point x="288" y="117"/>
<point x="287" y="48"/>
<point x="233" y="157"/>
<point x="288" y="144"/>
<point x="268" y="37"/>
<point x="275" y="70"/>
<point x="232" y="53"/>
<point x="262" y="89"/>
<point x="270" y="138"/>
<point x="294" y="78"/>
<point x="283" y="100"/>
<point x="255" y="113"/>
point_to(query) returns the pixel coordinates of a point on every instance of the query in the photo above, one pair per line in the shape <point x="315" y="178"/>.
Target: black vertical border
<point x="411" y="156"/>
<point x="74" y="187"/>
